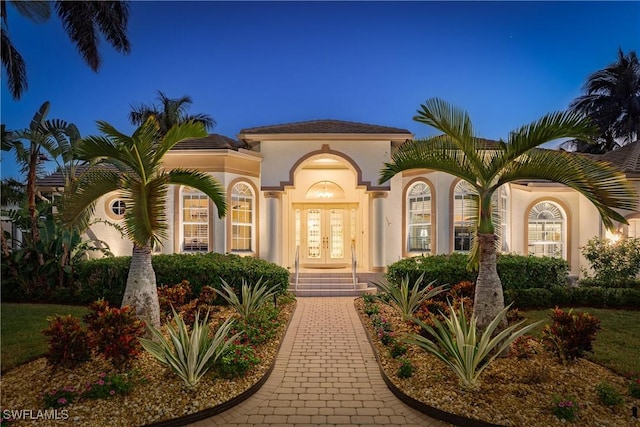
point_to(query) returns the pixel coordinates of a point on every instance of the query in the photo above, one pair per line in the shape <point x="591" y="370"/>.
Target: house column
<point x="273" y="229"/>
<point x="378" y="231"/>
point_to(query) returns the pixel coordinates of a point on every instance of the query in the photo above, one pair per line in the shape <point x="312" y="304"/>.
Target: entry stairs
<point x="329" y="285"/>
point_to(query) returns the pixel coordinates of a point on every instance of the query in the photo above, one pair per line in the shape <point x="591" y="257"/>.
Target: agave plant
<point x="189" y="356"/>
<point x="457" y="344"/>
<point x="406" y="300"/>
<point x="251" y="297"/>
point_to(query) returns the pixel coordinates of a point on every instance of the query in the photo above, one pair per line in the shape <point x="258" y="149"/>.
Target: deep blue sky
<point x="252" y="64"/>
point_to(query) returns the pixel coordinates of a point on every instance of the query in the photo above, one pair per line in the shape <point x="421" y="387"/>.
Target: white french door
<point x="324" y="233"/>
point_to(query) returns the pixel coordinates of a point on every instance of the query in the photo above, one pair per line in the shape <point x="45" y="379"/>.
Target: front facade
<point x="309" y="192"/>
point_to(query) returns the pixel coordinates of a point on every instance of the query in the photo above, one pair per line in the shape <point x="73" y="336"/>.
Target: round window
<point x="118" y="207"/>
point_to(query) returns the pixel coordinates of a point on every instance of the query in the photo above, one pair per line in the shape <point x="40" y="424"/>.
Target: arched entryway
<point x="325" y="212"/>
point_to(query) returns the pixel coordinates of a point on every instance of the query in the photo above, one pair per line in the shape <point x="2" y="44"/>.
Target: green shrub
<point x="439" y="269"/>
<point x="595" y="297"/>
<point x="237" y="360"/>
<point x="260" y="327"/>
<point x="103" y="278"/>
<point x="109" y="385"/>
<point x="630" y="283"/>
<point x="405" y="370"/>
<point x="570" y="335"/>
<point x="613" y="261"/>
<point x="608" y="395"/>
<point x="565" y="409"/>
<point x="107" y="277"/>
<point x="397" y="350"/>
<point x="114" y="333"/>
<point x="69" y="344"/>
<point x="515" y="271"/>
<point x="60" y="398"/>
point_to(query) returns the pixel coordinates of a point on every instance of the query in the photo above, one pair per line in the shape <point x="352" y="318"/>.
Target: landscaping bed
<point x="512" y="392"/>
<point x="158" y="395"/>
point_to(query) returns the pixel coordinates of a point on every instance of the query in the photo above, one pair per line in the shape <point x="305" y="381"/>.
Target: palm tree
<point x="612" y="101"/>
<point x="47" y="139"/>
<point x="132" y="166"/>
<point x="458" y="152"/>
<point x="84" y="22"/>
<point x="169" y="113"/>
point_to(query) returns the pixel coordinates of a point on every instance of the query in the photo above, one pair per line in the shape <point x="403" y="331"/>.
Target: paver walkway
<point x="325" y="375"/>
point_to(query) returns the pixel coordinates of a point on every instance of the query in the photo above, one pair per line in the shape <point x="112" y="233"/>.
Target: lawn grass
<point x="20" y="329"/>
<point x="617" y="343"/>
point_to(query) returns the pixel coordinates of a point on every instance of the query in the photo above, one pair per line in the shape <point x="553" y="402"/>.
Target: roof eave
<point x="258" y="137"/>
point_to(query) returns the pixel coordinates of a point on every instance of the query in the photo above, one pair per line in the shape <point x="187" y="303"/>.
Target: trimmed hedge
<point x="515" y="271"/>
<point x="626" y="283"/>
<point x="107" y="277"/>
<point x="597" y="297"/>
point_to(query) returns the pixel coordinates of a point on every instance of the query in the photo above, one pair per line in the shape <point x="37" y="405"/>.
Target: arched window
<point x="195" y="221"/>
<point x="547" y="230"/>
<point x="418" y="208"/>
<point x="242" y="218"/>
<point x="465" y="209"/>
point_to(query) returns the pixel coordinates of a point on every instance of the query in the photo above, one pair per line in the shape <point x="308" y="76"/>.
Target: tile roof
<point x="56" y="179"/>
<point x="627" y="157"/>
<point x="211" y="142"/>
<point x="324" y="126"/>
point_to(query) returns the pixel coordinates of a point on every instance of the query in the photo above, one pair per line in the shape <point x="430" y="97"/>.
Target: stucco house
<point x="306" y="194"/>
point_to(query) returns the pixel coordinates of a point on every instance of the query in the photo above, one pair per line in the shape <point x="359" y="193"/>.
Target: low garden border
<point x="218" y="409"/>
<point x="431" y="411"/>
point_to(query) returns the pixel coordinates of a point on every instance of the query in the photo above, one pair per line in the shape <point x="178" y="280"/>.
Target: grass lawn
<point x="20" y="330"/>
<point x="617" y="343"/>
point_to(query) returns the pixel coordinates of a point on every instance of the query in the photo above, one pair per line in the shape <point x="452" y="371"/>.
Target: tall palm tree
<point x="84" y="22"/>
<point x="458" y="153"/>
<point x="132" y="166"/>
<point x="169" y="113"/>
<point x="612" y="101"/>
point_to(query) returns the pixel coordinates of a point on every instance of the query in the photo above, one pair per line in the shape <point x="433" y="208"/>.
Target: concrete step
<point x="332" y="292"/>
<point x="328" y="284"/>
<point x="341" y="286"/>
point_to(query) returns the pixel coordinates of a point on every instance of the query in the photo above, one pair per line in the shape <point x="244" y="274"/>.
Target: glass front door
<point x="324" y="234"/>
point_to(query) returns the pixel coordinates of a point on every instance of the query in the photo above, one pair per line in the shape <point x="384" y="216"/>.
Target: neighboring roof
<point x="627" y="157"/>
<point x="210" y="142"/>
<point x="324" y="126"/>
<point x="56" y="179"/>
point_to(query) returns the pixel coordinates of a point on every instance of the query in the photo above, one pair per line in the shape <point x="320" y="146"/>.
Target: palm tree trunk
<point x="141" y="292"/>
<point x="489" y="300"/>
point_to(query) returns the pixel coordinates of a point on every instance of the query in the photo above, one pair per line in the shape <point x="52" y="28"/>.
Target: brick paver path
<point x="325" y="375"/>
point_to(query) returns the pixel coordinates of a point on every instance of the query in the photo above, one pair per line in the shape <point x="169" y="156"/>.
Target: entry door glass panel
<point x="336" y="233"/>
<point x="314" y="234"/>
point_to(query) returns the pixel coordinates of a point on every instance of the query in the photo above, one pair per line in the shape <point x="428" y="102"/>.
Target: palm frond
<point x="452" y="121"/>
<point x="438" y="153"/>
<point x="548" y="128"/>
<point x="602" y="184"/>
<point x="90" y="187"/>
<point x="112" y="18"/>
<point x="179" y="133"/>
<point x="14" y="65"/>
<point x="139" y="224"/>
<point x="202" y="182"/>
<point x="38" y="11"/>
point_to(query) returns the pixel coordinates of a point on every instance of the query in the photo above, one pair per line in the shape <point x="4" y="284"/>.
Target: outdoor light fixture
<point x="325" y="194"/>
